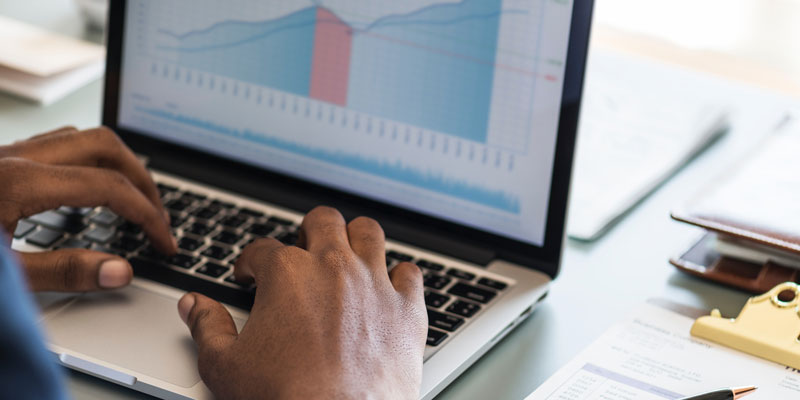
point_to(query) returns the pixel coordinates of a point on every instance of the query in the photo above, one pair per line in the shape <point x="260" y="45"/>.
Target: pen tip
<point x="738" y="393"/>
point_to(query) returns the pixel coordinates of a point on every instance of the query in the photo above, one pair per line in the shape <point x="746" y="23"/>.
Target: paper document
<point x="640" y="122"/>
<point x="42" y="66"/>
<point x="653" y="357"/>
<point x="32" y="50"/>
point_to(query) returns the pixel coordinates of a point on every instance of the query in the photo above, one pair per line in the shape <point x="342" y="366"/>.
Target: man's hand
<point x="328" y="320"/>
<point x="79" y="169"/>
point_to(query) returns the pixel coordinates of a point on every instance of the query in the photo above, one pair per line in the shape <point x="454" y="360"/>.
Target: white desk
<point x="600" y="281"/>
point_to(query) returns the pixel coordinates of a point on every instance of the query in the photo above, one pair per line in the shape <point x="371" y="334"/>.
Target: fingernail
<point x="185" y="306"/>
<point x="114" y="274"/>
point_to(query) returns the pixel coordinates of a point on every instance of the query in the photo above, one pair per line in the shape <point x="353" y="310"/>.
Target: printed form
<point x="653" y="357"/>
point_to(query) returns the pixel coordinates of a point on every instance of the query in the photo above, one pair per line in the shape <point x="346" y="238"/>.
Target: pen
<point x="724" y="394"/>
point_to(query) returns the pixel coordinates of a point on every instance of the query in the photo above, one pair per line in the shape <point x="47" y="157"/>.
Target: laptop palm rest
<point x="134" y="328"/>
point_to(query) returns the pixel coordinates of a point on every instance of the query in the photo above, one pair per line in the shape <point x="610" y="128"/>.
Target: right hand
<point x="328" y="320"/>
<point x="75" y="168"/>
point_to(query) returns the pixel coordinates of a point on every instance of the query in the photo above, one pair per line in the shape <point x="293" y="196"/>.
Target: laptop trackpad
<point x="133" y="328"/>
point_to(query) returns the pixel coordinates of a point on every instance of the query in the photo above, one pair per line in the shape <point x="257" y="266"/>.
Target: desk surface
<point x="586" y="299"/>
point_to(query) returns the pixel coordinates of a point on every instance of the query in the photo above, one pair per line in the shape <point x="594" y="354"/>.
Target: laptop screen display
<point x="448" y="108"/>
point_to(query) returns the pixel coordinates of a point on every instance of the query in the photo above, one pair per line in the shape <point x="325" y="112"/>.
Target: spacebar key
<point x="472" y="293"/>
<point x="444" y="321"/>
<point x="161" y="273"/>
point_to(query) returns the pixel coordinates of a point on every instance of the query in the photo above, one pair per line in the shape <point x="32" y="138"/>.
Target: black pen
<point x="724" y="394"/>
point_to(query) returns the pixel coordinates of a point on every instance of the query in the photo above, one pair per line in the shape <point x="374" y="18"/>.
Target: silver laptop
<point x="450" y="122"/>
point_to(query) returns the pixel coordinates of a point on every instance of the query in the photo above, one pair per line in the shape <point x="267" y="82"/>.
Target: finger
<point x="41" y="187"/>
<point x="254" y="257"/>
<point x="323" y="228"/>
<point x="75" y="271"/>
<point x="58" y="131"/>
<point x="98" y="147"/>
<point x="407" y="280"/>
<point x="211" y="324"/>
<point x="368" y="241"/>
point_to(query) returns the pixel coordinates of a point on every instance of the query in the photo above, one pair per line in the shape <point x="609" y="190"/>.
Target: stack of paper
<point x="640" y="122"/>
<point x="42" y="66"/>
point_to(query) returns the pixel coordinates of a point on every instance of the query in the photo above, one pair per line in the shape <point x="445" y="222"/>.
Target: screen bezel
<point x="400" y="224"/>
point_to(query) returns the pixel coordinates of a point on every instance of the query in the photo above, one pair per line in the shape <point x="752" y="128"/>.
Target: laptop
<point x="451" y="122"/>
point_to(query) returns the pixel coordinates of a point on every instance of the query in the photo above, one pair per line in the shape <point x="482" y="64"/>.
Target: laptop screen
<point x="448" y="108"/>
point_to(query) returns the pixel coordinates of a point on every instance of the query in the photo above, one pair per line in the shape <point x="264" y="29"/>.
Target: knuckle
<point x="286" y="255"/>
<point x="335" y="257"/>
<point x="69" y="267"/>
<point x="409" y="271"/>
<point x="198" y="318"/>
<point x="366" y="224"/>
<point x="325" y="212"/>
<point x="117" y="179"/>
<point x="106" y="134"/>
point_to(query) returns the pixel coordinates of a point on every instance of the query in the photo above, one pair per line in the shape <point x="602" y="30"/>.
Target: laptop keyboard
<point x="211" y="234"/>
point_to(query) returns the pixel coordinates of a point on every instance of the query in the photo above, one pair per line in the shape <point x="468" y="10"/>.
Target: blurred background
<point x="751" y="40"/>
<point x="757" y="41"/>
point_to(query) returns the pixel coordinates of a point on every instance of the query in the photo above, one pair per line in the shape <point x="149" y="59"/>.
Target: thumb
<point x="75" y="271"/>
<point x="211" y="324"/>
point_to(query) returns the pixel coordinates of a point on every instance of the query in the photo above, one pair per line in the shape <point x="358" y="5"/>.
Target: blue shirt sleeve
<point x="27" y="369"/>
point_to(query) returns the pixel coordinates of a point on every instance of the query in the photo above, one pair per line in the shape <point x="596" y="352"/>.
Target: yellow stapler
<point x="768" y="326"/>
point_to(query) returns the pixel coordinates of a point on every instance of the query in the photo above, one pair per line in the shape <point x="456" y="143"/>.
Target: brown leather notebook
<point x="755" y="203"/>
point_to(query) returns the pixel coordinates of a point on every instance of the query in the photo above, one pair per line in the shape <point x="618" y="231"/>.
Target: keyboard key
<point x="164" y="188"/>
<point x="472" y="293"/>
<point x="105" y="217"/>
<point x="217" y="252"/>
<point x="261" y="229"/>
<point x="213" y="270"/>
<point x="234" y="221"/>
<point x="72" y="223"/>
<point x="444" y="321"/>
<point x="74" y="243"/>
<point x="206" y="212"/>
<point x="189" y="244"/>
<point x="99" y="234"/>
<point x="23" y="228"/>
<point x="228" y="237"/>
<point x="399" y="256"/>
<point x="151" y="253"/>
<point x="192" y="195"/>
<point x="232" y="279"/>
<point x="44" y="237"/>
<point x="200" y="229"/>
<point x="435" y="300"/>
<point x="492" y="283"/>
<point x="82" y="211"/>
<point x="176" y="221"/>
<point x="463" y="308"/>
<point x="223" y="204"/>
<point x="436" y="281"/>
<point x="288" y="238"/>
<point x="280" y="221"/>
<point x="130" y="228"/>
<point x="179" y="205"/>
<point x="435" y="337"/>
<point x="430" y="265"/>
<point x="183" y="261"/>
<point x="463" y="275"/>
<point x="127" y="244"/>
<point x="251" y="212"/>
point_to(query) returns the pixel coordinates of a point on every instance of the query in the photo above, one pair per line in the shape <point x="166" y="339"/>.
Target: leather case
<point x="756" y="201"/>
<point x="701" y="260"/>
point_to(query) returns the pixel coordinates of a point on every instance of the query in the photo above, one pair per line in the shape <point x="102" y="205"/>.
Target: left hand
<point x="75" y="168"/>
